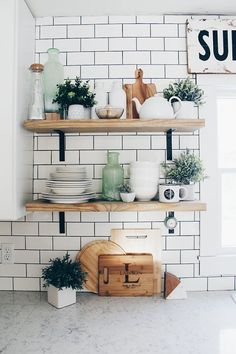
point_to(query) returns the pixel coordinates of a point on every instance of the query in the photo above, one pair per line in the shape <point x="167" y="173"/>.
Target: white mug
<point x="169" y="193"/>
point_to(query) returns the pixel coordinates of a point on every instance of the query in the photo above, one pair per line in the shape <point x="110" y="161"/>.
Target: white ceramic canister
<point x="117" y="97"/>
<point x="100" y="98"/>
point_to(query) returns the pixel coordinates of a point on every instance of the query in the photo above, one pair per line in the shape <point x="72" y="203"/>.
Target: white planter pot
<point x="190" y="191"/>
<point x="127" y="197"/>
<point x="61" y="298"/>
<point x="76" y="111"/>
<point x="188" y="110"/>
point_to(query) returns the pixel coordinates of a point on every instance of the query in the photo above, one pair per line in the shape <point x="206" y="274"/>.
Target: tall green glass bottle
<point x="112" y="177"/>
<point x="52" y="76"/>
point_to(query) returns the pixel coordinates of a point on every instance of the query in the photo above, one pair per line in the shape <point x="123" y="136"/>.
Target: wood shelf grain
<point x="96" y="206"/>
<point x="114" y="125"/>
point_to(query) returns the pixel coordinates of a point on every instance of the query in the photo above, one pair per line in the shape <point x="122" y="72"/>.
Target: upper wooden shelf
<point x="96" y="206"/>
<point x="114" y="125"/>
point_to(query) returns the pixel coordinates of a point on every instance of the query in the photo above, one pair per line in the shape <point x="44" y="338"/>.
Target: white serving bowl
<point x="145" y="195"/>
<point x="144" y="164"/>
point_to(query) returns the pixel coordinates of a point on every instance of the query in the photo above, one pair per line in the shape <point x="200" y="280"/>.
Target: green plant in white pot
<point x="189" y="93"/>
<point x="63" y="277"/>
<point x="126" y="193"/>
<point x="186" y="169"/>
<point x="74" y="98"/>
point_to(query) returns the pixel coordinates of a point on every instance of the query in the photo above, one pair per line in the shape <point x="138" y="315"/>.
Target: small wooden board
<point x="142" y="240"/>
<point x="140" y="90"/>
<point x="88" y="257"/>
<point x="125" y="275"/>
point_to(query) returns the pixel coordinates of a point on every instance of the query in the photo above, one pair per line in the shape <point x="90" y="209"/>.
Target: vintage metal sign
<point x="211" y="46"/>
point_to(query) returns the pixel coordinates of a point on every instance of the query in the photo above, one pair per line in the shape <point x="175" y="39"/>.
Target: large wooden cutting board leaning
<point x="142" y="240"/>
<point x="140" y="90"/>
<point x="88" y="257"/>
<point x="125" y="275"/>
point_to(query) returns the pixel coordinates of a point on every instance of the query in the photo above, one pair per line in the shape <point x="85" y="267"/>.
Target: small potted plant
<point x="186" y="170"/>
<point x="74" y="99"/>
<point x="63" y="277"/>
<point x="189" y="93"/>
<point x="126" y="194"/>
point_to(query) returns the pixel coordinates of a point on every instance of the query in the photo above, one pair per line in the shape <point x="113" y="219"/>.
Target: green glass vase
<point x="112" y="177"/>
<point x="53" y="75"/>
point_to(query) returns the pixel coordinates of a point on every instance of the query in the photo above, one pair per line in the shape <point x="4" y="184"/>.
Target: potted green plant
<point x="74" y="98"/>
<point x="186" y="170"/>
<point x="126" y="193"/>
<point x="189" y="93"/>
<point x="63" y="277"/>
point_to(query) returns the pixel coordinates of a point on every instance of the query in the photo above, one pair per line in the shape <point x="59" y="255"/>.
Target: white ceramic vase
<point x="117" y="97"/>
<point x="188" y="110"/>
<point x="61" y="298"/>
<point x="100" y="98"/>
<point x="76" y="111"/>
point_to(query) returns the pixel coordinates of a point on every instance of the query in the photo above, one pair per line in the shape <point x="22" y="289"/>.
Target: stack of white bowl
<point x="144" y="179"/>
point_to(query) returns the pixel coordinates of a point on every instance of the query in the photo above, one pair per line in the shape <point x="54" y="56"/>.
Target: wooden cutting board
<point x="140" y="90"/>
<point x="142" y="240"/>
<point x="88" y="257"/>
<point x="125" y="275"/>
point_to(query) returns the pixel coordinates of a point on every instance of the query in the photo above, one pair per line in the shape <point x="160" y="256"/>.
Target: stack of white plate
<point x="69" y="185"/>
<point x="144" y="179"/>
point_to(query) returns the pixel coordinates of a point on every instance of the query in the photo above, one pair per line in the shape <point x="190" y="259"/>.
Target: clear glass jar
<point x="112" y="177"/>
<point x="53" y="75"/>
<point x="36" y="104"/>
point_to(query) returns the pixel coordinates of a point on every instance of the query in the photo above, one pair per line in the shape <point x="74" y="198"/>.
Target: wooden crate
<point x="125" y="275"/>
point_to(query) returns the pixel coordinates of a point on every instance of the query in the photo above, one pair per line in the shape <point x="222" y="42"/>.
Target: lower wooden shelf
<point x="96" y="206"/>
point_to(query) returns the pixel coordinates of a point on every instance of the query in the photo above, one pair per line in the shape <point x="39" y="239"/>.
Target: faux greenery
<point x="125" y="188"/>
<point x="184" y="169"/>
<point x="70" y="93"/>
<point x="186" y="90"/>
<point x="64" y="273"/>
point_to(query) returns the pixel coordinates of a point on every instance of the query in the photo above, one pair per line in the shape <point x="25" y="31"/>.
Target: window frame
<point x="214" y="259"/>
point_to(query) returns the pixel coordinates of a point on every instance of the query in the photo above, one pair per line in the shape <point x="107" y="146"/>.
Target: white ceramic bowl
<point x="145" y="196"/>
<point x="127" y="197"/>
<point x="144" y="164"/>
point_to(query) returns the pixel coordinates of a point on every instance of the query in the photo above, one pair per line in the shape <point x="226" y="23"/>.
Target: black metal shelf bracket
<point x="62" y="222"/>
<point x="62" y="144"/>
<point x="169" y="144"/>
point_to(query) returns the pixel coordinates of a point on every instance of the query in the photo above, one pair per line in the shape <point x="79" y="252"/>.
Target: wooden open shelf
<point x="96" y="206"/>
<point x="114" y="125"/>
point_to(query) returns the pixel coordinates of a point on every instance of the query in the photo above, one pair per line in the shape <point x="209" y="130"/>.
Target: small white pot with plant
<point x="74" y="99"/>
<point x="126" y="193"/>
<point x="185" y="170"/>
<point x="63" y="277"/>
<point x="191" y="97"/>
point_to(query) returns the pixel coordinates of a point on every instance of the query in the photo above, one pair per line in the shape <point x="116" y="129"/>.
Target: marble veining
<point x="205" y="323"/>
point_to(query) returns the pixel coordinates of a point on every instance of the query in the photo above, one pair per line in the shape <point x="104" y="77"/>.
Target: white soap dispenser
<point x="117" y="97"/>
<point x="100" y="98"/>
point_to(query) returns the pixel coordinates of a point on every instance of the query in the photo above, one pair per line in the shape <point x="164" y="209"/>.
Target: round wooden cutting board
<point x="88" y="257"/>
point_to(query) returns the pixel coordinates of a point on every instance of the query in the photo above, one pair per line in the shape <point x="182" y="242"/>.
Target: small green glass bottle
<point x="52" y="76"/>
<point x="112" y="177"/>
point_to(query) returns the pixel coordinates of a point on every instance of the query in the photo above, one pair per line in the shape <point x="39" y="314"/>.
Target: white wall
<point x="106" y="49"/>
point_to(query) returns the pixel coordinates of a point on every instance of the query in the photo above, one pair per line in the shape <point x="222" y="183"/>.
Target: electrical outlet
<point x="8" y="253"/>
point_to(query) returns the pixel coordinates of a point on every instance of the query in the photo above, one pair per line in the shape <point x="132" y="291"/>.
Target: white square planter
<point x="61" y="298"/>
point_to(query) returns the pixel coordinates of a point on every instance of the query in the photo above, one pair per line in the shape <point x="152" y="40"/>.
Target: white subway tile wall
<point x="107" y="48"/>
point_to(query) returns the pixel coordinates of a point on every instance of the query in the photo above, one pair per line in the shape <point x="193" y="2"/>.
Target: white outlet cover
<point x="8" y="256"/>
